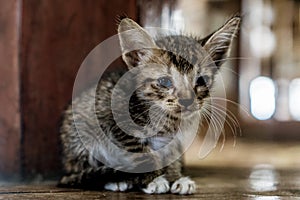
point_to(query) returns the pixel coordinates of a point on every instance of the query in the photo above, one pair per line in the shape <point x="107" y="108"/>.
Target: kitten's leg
<point x="118" y="186"/>
<point x="87" y="178"/>
<point x="101" y="177"/>
<point x="145" y="160"/>
<point x="158" y="185"/>
<point x="179" y="183"/>
<point x="170" y="176"/>
<point x="72" y="180"/>
<point x="183" y="185"/>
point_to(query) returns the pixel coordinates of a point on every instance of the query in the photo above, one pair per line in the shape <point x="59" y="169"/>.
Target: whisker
<point x="141" y="104"/>
<point x="221" y="112"/>
<point x="242" y="107"/>
<point x="225" y="59"/>
<point x="140" y="114"/>
<point x="213" y="121"/>
<point x="226" y="113"/>
<point x="234" y="120"/>
<point x="233" y="127"/>
<point x="218" y="127"/>
<point x="161" y="116"/>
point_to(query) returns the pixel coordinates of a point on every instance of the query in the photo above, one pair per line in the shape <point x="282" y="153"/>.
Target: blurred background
<point x="44" y="42"/>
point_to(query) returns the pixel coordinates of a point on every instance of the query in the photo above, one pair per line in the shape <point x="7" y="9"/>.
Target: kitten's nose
<point x="186" y="102"/>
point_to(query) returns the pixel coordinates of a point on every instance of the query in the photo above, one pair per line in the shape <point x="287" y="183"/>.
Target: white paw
<point x="120" y="186"/>
<point x="184" y="185"/>
<point x="159" y="185"/>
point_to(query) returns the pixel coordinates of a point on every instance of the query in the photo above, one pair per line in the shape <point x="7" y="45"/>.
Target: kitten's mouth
<point x="185" y="111"/>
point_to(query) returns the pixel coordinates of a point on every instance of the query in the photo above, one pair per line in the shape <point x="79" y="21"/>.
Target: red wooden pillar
<point x="10" y="126"/>
<point x="42" y="45"/>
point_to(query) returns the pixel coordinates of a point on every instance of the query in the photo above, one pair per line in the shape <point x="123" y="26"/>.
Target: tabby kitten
<point x="129" y="132"/>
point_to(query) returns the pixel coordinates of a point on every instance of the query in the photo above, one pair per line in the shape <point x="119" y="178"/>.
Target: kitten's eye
<point x="165" y="82"/>
<point x="202" y="81"/>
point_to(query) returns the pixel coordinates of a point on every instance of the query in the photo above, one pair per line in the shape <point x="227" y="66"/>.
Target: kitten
<point x="129" y="132"/>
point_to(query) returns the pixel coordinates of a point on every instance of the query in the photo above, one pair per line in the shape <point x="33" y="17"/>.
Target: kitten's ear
<point x="136" y="44"/>
<point x="218" y="44"/>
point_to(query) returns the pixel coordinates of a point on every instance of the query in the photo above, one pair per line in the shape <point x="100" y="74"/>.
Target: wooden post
<point x="42" y="44"/>
<point x="10" y="126"/>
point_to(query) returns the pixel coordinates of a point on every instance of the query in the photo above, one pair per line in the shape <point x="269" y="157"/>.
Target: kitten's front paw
<point x="120" y="186"/>
<point x="159" y="185"/>
<point x="184" y="185"/>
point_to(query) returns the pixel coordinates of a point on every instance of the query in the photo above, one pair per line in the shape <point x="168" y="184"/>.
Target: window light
<point x="294" y="98"/>
<point x="262" y="97"/>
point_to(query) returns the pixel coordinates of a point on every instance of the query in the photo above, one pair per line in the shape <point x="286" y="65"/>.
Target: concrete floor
<point x="256" y="171"/>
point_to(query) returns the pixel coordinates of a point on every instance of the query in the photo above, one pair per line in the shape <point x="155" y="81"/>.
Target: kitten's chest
<point x="182" y="135"/>
<point x="159" y="142"/>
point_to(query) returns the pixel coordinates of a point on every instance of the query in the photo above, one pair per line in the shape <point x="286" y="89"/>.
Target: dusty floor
<point x="258" y="171"/>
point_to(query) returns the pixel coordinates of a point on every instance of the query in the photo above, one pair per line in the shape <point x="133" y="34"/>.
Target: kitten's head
<point x="175" y="72"/>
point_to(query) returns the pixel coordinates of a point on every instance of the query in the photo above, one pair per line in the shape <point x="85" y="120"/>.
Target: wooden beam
<point x="10" y="128"/>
